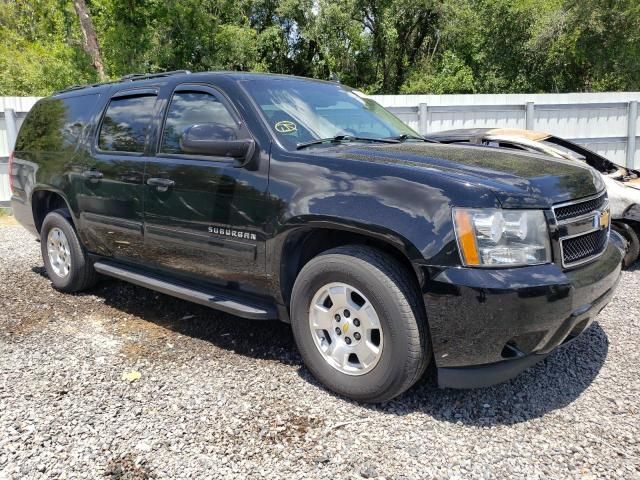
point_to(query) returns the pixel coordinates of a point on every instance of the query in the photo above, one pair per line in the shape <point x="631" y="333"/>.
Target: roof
<point x="154" y="77"/>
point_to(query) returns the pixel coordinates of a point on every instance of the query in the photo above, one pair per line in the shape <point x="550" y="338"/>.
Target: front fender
<point x="410" y="205"/>
<point x="623" y="200"/>
<point x="405" y="207"/>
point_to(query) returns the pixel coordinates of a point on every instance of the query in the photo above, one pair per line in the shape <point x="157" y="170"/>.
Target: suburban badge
<point x="228" y="232"/>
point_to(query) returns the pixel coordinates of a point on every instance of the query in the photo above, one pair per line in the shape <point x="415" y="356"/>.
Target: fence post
<point x="12" y="128"/>
<point x="423" y="120"/>
<point x="632" y="117"/>
<point x="529" y="115"/>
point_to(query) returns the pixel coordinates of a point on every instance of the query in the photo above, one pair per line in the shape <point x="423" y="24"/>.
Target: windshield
<point x="300" y="111"/>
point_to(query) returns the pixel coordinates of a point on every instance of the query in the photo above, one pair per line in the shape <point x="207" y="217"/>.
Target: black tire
<point x="393" y="293"/>
<point x="630" y="235"/>
<point x="81" y="274"/>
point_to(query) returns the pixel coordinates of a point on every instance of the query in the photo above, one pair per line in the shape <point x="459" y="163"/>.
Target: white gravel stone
<point x="221" y="397"/>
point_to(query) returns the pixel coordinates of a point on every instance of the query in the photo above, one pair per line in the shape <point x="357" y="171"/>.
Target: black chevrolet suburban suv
<point x="276" y="197"/>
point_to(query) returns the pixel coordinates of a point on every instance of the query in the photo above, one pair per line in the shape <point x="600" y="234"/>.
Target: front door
<point x="202" y="213"/>
<point x="110" y="206"/>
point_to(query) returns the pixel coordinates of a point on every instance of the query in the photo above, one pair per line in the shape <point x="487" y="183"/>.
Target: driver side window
<point x="187" y="109"/>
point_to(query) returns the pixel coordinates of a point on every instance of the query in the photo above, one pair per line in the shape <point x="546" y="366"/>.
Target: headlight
<point x="492" y="236"/>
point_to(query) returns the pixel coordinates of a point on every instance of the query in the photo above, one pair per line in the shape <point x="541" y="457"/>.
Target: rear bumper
<point x="22" y="211"/>
<point x="487" y="326"/>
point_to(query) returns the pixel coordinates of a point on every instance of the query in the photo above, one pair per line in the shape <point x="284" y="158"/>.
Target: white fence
<point x="12" y="113"/>
<point x="604" y="122"/>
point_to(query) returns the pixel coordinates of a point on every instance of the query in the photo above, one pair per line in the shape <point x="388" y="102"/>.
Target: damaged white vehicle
<point x="623" y="184"/>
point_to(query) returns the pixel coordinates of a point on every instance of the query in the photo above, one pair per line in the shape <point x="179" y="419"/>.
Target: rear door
<point x="200" y="211"/>
<point x="111" y="207"/>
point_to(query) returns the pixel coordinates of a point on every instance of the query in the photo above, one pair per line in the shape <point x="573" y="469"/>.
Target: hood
<point x="518" y="179"/>
<point x="635" y="184"/>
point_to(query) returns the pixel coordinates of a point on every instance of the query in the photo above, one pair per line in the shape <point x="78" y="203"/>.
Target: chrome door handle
<point x="92" y="175"/>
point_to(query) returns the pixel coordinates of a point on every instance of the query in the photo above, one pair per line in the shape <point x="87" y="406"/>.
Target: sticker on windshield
<point x="285" y="126"/>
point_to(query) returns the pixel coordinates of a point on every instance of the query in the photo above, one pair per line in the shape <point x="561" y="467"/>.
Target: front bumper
<point x="489" y="325"/>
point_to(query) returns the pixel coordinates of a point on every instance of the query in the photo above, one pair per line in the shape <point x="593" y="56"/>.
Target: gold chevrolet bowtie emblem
<point x="604" y="219"/>
<point x="345" y="328"/>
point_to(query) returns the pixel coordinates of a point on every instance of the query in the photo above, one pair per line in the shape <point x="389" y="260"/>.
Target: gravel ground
<point x="221" y="397"/>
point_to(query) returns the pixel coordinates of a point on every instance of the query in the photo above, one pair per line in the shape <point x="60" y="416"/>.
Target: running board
<point x="217" y="299"/>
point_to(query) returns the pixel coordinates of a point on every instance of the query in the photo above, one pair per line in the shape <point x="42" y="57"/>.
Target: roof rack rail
<point x="130" y="78"/>
<point x="70" y="88"/>
<point x="144" y="76"/>
<point x="80" y="87"/>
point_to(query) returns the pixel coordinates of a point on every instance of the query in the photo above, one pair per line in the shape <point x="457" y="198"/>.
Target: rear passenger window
<point x="190" y="108"/>
<point x="126" y="123"/>
<point x="56" y="124"/>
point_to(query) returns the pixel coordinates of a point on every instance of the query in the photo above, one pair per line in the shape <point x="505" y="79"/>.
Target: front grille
<point x="583" y="234"/>
<point x="583" y="247"/>
<point x="582" y="208"/>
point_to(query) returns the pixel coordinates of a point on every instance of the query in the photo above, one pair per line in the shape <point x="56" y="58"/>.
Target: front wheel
<point x="630" y="235"/>
<point x="359" y="323"/>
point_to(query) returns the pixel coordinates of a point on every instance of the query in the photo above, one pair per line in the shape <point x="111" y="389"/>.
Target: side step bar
<point x="217" y="299"/>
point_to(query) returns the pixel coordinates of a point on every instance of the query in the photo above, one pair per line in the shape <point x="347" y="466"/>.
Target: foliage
<point x="449" y="75"/>
<point x="40" y="48"/>
<point x="379" y="46"/>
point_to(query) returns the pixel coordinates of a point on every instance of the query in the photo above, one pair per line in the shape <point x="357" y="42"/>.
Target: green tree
<point x="604" y="43"/>
<point x="40" y="48"/>
<point x="379" y="46"/>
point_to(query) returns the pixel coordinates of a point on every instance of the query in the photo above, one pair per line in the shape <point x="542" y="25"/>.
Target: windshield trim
<point x="342" y="139"/>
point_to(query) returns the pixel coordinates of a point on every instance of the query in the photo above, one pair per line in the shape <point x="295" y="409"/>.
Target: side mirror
<point x="216" y="140"/>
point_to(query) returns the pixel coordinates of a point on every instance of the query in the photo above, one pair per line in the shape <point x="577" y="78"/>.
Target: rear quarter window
<point x="126" y="123"/>
<point x="56" y="124"/>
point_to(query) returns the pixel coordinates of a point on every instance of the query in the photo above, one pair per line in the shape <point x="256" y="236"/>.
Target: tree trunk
<point x="90" y="43"/>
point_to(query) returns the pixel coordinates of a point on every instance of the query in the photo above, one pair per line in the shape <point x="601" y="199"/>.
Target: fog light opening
<point x="511" y="350"/>
<point x="577" y="330"/>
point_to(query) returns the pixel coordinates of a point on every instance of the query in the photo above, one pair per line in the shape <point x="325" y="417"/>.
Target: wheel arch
<point x="45" y="200"/>
<point x="303" y="243"/>
<point x="630" y="231"/>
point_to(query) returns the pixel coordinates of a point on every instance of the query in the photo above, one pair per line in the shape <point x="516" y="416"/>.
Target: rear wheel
<point x="631" y="237"/>
<point x="359" y="323"/>
<point x="65" y="259"/>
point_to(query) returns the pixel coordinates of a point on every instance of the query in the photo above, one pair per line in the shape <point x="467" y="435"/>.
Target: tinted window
<point x="189" y="108"/>
<point x="125" y="124"/>
<point x="56" y="124"/>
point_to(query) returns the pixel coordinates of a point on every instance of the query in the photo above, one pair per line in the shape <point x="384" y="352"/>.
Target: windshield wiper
<point x="404" y="137"/>
<point x="345" y="138"/>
